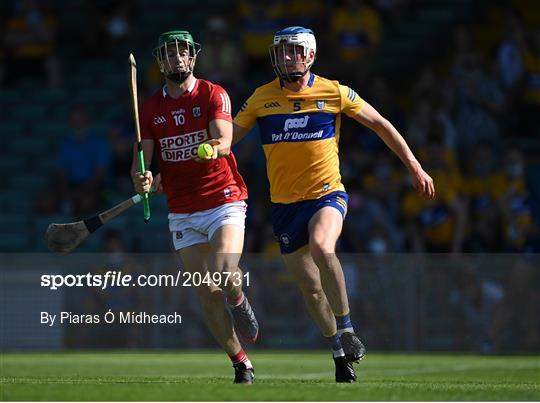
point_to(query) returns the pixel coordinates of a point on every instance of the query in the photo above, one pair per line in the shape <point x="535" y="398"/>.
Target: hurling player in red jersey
<point x="206" y="198"/>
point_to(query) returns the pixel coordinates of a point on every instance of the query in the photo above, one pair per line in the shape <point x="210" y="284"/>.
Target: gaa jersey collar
<point x="311" y="79"/>
<point x="189" y="89"/>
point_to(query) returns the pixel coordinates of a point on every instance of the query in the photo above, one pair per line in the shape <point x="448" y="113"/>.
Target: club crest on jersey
<point x="196" y="111"/>
<point x="227" y="192"/>
<point x="285" y="239"/>
<point x="320" y="104"/>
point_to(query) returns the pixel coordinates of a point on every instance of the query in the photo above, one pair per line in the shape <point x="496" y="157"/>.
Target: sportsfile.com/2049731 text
<point x="114" y="278"/>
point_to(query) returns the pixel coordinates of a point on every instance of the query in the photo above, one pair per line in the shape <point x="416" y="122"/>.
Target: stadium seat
<point x="10" y="96"/>
<point x="11" y="128"/>
<point x="95" y="95"/>
<point x="53" y="130"/>
<point x="15" y="201"/>
<point x="34" y="113"/>
<point x="13" y="221"/>
<point x="30" y="183"/>
<point x="98" y="68"/>
<point x="12" y="163"/>
<point x="14" y="241"/>
<point x="49" y="96"/>
<point x="36" y="147"/>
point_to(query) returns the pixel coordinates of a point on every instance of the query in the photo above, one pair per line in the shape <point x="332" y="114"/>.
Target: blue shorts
<point x="290" y="221"/>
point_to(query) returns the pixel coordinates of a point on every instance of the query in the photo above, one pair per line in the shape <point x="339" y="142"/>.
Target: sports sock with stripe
<point x="241" y="357"/>
<point x="335" y="344"/>
<point x="344" y="324"/>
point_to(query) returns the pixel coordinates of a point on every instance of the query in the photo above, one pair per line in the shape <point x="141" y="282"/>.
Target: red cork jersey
<point x="177" y="127"/>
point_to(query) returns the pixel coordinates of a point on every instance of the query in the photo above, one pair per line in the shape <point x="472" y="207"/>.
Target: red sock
<point x="235" y="301"/>
<point x="241" y="357"/>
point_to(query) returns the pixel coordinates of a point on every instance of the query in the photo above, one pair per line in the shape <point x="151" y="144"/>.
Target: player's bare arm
<point x="221" y="132"/>
<point x="239" y="133"/>
<point x="143" y="182"/>
<point x="369" y="117"/>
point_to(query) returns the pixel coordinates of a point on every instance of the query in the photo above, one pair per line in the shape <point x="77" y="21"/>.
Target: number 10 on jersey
<point x="179" y="120"/>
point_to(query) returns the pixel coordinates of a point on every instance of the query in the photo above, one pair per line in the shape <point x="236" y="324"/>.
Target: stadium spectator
<point x="511" y="192"/>
<point x="384" y="183"/>
<point x="258" y="20"/>
<point x="480" y="102"/>
<point x="530" y="104"/>
<point x="420" y="124"/>
<point x="92" y="37"/>
<point x="384" y="100"/>
<point x="370" y="227"/>
<point x="428" y="85"/>
<point x="356" y="29"/>
<point x="83" y="163"/>
<point x="484" y="218"/>
<point x="222" y="61"/>
<point x="438" y="224"/>
<point x="108" y="25"/>
<point x="509" y="56"/>
<point x="306" y="13"/>
<point x="390" y="10"/>
<point x="120" y="137"/>
<point x="119" y="24"/>
<point x="30" y="44"/>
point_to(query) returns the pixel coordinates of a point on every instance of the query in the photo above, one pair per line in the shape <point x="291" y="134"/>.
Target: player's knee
<point x="312" y="292"/>
<point x="209" y="295"/>
<point x="320" y="248"/>
<point x="229" y="268"/>
<point x="311" y="289"/>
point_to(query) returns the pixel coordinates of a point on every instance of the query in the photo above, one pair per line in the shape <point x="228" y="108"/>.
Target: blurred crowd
<point x="468" y="111"/>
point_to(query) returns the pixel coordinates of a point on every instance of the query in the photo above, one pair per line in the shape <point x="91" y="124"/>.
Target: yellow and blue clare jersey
<point x="300" y="134"/>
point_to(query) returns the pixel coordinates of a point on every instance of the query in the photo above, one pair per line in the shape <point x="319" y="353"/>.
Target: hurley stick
<point x="134" y="99"/>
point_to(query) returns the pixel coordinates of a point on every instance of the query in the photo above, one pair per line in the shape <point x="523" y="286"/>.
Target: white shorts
<point x="199" y="227"/>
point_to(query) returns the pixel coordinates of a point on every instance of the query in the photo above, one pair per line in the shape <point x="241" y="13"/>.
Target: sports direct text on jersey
<point x="183" y="147"/>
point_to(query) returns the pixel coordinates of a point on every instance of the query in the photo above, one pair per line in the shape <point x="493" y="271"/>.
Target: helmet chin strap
<point x="294" y="77"/>
<point x="179" y="77"/>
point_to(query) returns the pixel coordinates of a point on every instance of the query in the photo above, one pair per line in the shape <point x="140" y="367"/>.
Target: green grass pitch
<point x="298" y="375"/>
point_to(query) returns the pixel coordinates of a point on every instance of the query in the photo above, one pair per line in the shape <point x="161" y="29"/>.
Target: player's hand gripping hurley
<point x="134" y="99"/>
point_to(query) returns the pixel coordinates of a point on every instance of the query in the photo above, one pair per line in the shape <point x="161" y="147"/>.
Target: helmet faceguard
<point x="178" y="45"/>
<point x="288" y="44"/>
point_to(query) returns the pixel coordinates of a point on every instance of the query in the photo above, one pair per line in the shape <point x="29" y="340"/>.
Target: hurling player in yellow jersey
<point x="299" y="116"/>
